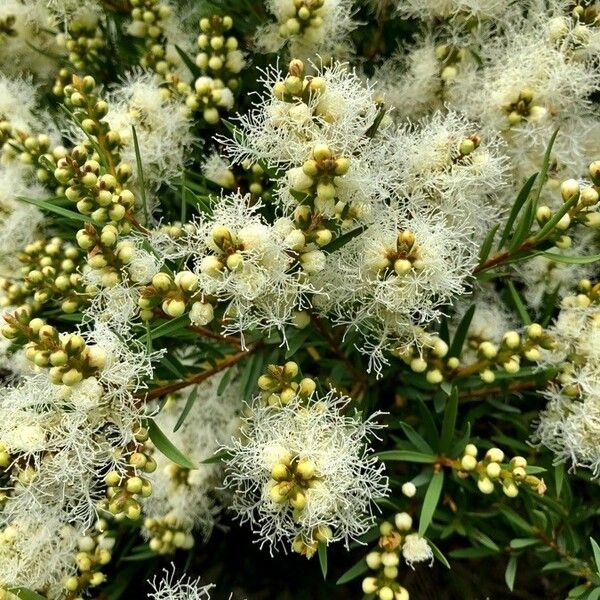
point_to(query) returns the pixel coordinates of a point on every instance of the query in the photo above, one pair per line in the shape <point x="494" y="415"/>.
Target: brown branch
<point x="174" y="386"/>
<point x="495" y="391"/>
<point x="228" y="339"/>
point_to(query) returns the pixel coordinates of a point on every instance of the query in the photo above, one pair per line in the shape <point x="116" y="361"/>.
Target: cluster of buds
<point x="449" y="58"/>
<point x="309" y="546"/>
<point x="85" y="43"/>
<point x="400" y="259"/>
<point x="94" y="552"/>
<point x="282" y="383"/>
<point x="432" y="357"/>
<point x="524" y="108"/>
<point x="396" y="539"/>
<point x="95" y="183"/>
<point x="107" y="254"/>
<point x="124" y="489"/>
<point x="210" y="97"/>
<point x="49" y="275"/>
<point x="148" y="24"/>
<point x="301" y="18"/>
<point x="175" y="295"/>
<point x="291" y="477"/>
<point x="68" y="357"/>
<point x="576" y="26"/>
<point x="492" y="469"/>
<point x="317" y="178"/>
<point x="298" y="87"/>
<point x="219" y="56"/>
<point x="32" y="150"/>
<point x="583" y="207"/>
<point x="429" y="359"/>
<point x="167" y="535"/>
<point x="257" y="179"/>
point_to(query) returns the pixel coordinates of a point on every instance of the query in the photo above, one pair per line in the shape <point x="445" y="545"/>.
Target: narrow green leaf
<point x="486" y="247"/>
<point x="188" y="62"/>
<point x="543" y="175"/>
<point x="415" y="438"/>
<point x="168" y="328"/>
<point x="323" y="558"/>
<point x="596" y="550"/>
<point x="430" y="502"/>
<point x="191" y="399"/>
<point x="518" y="543"/>
<point x="140" y="174"/>
<point x="217" y="457"/>
<point x="353" y="572"/>
<point x="519" y="304"/>
<point x="59" y="210"/>
<point x="438" y="554"/>
<point x="570" y="260"/>
<point x="449" y="422"/>
<point x="559" y="478"/>
<point x="511" y="572"/>
<point x="25" y="594"/>
<point x="164" y="445"/>
<point x="296" y="341"/>
<point x="473" y="552"/>
<point x="461" y="332"/>
<point x="523" y="227"/>
<point x="341" y="241"/>
<point x="516" y="207"/>
<point x="556" y="217"/>
<point x="406" y="456"/>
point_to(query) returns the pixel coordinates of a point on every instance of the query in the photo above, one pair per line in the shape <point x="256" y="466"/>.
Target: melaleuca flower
<point x="304" y="474"/>
<point x="183" y="500"/>
<point x="161" y="125"/>
<point x="570" y="424"/>
<point x="247" y="264"/>
<point x="444" y="162"/>
<point x="168" y="587"/>
<point x="30" y="20"/>
<point x="36" y="551"/>
<point x="323" y="121"/>
<point x="416" y="549"/>
<point x="308" y="27"/>
<point x="218" y="170"/>
<point x="462" y="10"/>
<point x="395" y="276"/>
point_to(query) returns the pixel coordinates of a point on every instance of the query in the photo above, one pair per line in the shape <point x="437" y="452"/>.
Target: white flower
<point x="183" y="588"/>
<point x="393" y="277"/>
<point x="326" y="455"/>
<point x="309" y="30"/>
<point x="218" y="171"/>
<point x="161" y="125"/>
<point x="416" y="549"/>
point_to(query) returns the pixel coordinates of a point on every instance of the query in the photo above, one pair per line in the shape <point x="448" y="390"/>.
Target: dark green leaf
<point x="323" y="558"/>
<point x="430" y="502"/>
<point x="511" y="572"/>
<point x="186" y="409"/>
<point x="25" y="594"/>
<point x="516" y="207"/>
<point x="570" y="260"/>
<point x="438" y="554"/>
<point x="415" y="438"/>
<point x="216" y="458"/>
<point x="486" y="247"/>
<point x="449" y="422"/>
<point x="556" y="217"/>
<point x="461" y="332"/>
<point x="406" y="456"/>
<point x="341" y="241"/>
<point x="168" y="328"/>
<point x="523" y="542"/>
<point x="519" y="304"/>
<point x="59" y="210"/>
<point x="164" y="445"/>
<point x="140" y="174"/>
<point x="353" y="572"/>
<point x="596" y="550"/>
<point x="188" y="62"/>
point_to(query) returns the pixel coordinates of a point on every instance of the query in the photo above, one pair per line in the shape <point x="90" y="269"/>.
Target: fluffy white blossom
<point x="416" y="549"/>
<point x="319" y="27"/>
<point x="161" y="125"/>
<point x="393" y="277"/>
<point x="169" y="587"/>
<point x="327" y="456"/>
